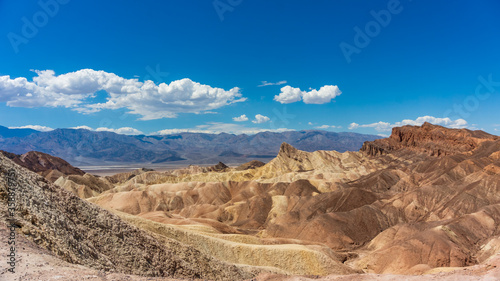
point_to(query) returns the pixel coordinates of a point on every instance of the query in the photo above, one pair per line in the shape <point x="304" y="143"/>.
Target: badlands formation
<point x="423" y="203"/>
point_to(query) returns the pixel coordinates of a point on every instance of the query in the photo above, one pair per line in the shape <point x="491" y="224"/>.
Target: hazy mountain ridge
<point x="9" y="133"/>
<point x="83" y="147"/>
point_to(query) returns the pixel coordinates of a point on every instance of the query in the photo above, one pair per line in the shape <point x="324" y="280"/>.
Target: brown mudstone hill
<point x="85" y="186"/>
<point x="219" y="167"/>
<point x="123" y="177"/>
<point x="49" y="166"/>
<point x="250" y="165"/>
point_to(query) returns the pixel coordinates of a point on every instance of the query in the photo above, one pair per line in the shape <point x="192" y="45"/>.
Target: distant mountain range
<point x="83" y="147"/>
<point x="9" y="133"/>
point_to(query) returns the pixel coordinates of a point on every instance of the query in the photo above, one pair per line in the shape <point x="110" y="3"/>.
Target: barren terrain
<point x="421" y="204"/>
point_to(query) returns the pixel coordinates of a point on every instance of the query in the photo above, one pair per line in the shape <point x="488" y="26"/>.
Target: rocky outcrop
<point x="292" y="164"/>
<point x="429" y="139"/>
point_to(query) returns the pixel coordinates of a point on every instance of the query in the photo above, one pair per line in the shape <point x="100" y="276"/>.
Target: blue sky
<point x="358" y="66"/>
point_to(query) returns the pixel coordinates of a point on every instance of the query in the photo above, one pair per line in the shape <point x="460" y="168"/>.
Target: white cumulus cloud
<point x="260" y="119"/>
<point x="353" y="126"/>
<point x="325" y="94"/>
<point x="240" y="118"/>
<point x="288" y="95"/>
<point x="217" y="128"/>
<point x="323" y="127"/>
<point x="386" y="126"/>
<point x="82" y="127"/>
<point x="148" y="100"/>
<point x="265" y="83"/>
<point x="122" y="131"/>
<point x="34" y="127"/>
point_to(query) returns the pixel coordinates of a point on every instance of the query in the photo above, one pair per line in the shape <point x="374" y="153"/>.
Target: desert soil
<point x="36" y="263"/>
